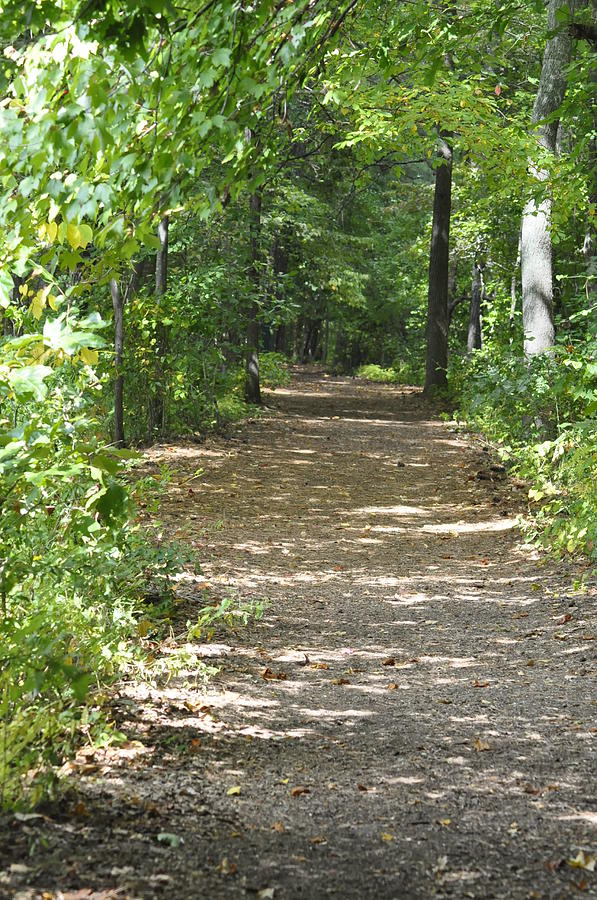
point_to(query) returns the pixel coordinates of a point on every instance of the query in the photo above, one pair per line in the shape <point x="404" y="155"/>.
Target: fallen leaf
<point x="320" y="666"/>
<point x="270" y="675"/>
<point x="297" y="791"/>
<point x="481" y="745"/>
<point x="564" y="619"/>
<point x="234" y="791"/>
<point x="362" y="787"/>
<point x="530" y="789"/>
<point x="386" y="836"/>
<point x="226" y="867"/>
<point x="444" y="822"/>
<point x="340" y="681"/>
<point x="318" y="839"/>
<point x="393" y="686"/>
<point x="481" y="684"/>
<point x="583" y="861"/>
<point x="520" y="615"/>
<point x="279" y="827"/>
<point x="389" y="662"/>
<point x="284" y="780"/>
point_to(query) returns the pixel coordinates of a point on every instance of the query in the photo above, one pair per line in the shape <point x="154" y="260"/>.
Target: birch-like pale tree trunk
<point x="536" y="247"/>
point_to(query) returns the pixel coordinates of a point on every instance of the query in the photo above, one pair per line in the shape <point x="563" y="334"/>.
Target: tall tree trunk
<point x="157" y="403"/>
<point x="513" y="281"/>
<point x="437" y="301"/>
<point x="475" y="338"/>
<point x="536" y="248"/>
<point x="118" y="305"/>
<point x="252" y="387"/>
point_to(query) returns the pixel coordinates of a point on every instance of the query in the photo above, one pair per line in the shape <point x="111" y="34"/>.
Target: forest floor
<point x="413" y="716"/>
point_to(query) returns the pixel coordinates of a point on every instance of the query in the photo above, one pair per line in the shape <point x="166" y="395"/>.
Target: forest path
<point x="413" y="715"/>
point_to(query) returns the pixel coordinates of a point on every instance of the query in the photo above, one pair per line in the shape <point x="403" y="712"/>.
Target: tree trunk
<point x="536" y="248"/>
<point x="157" y="404"/>
<point x="513" y="286"/>
<point x="437" y="301"/>
<point x="252" y="387"/>
<point x="118" y="305"/>
<point x="475" y="338"/>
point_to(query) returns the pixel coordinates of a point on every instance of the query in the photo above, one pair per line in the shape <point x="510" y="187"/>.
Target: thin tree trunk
<point x="252" y="386"/>
<point x="513" y="282"/>
<point x="437" y="302"/>
<point x="157" y="403"/>
<point x="536" y="246"/>
<point x="475" y="338"/>
<point x="118" y="305"/>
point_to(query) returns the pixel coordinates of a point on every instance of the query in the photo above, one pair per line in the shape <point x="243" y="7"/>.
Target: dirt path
<point x="429" y="730"/>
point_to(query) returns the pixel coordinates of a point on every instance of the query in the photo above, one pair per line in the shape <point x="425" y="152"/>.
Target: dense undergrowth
<point x="77" y="562"/>
<point x="541" y="415"/>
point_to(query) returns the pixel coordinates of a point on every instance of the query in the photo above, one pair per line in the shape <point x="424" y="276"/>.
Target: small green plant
<point x="229" y="613"/>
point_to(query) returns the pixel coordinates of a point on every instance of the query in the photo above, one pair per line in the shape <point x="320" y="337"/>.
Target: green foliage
<point x="541" y="415"/>
<point x="373" y="372"/>
<point x="226" y="614"/>
<point x="73" y="564"/>
<point x="273" y="369"/>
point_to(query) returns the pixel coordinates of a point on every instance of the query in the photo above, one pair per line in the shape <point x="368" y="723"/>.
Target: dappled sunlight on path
<point x="410" y="718"/>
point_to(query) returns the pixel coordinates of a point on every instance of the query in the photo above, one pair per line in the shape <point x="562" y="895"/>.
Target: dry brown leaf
<point x="564" y="619"/>
<point x="320" y="666"/>
<point x="318" y="839"/>
<point x="270" y="675"/>
<point x="481" y="684"/>
<point x="481" y="745"/>
<point x="297" y="791"/>
<point x="279" y="827"/>
<point x="340" y="681"/>
<point x="389" y="662"/>
<point x="393" y="686"/>
<point x="530" y="789"/>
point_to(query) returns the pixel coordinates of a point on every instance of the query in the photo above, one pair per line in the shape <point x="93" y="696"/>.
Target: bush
<point x="73" y="563"/>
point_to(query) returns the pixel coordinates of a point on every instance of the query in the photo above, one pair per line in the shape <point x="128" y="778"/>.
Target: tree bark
<point x="118" y="305"/>
<point x="157" y="403"/>
<point x="437" y="301"/>
<point x="475" y="337"/>
<point x="252" y="386"/>
<point x="536" y="247"/>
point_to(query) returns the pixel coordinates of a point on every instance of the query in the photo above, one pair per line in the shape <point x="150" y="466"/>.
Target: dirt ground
<point x="413" y="716"/>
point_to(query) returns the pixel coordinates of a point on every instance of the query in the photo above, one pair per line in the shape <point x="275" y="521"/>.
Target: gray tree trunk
<point x="475" y="337"/>
<point x="118" y="305"/>
<point x="536" y="250"/>
<point x="437" y="300"/>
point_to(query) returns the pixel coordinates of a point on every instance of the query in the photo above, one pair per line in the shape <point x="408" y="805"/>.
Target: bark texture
<point x="252" y="386"/>
<point x="157" y="403"/>
<point x="475" y="338"/>
<point x="118" y="306"/>
<point x="437" y="301"/>
<point x="536" y="249"/>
